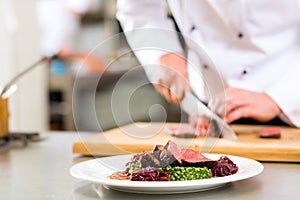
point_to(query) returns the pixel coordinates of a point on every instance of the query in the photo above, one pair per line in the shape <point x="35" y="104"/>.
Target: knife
<point x="192" y="105"/>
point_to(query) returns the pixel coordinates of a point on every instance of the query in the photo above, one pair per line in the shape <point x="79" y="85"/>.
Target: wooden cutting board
<point x="138" y="137"/>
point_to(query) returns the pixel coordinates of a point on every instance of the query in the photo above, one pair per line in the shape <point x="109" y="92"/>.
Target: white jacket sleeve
<point x="149" y="32"/>
<point x="285" y="93"/>
<point x="58" y="24"/>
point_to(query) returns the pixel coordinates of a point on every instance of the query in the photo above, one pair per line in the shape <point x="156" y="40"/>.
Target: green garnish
<point x="135" y="163"/>
<point x="134" y="167"/>
<point x="187" y="173"/>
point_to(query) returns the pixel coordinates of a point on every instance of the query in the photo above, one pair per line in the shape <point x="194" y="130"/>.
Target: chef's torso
<point x="251" y="42"/>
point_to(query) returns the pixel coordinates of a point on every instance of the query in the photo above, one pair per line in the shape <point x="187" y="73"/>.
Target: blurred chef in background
<point x="59" y="21"/>
<point x="254" y="45"/>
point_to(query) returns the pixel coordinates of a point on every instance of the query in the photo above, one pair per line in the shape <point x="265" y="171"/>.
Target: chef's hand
<point x="235" y="103"/>
<point x="200" y="124"/>
<point x="65" y="53"/>
<point x="175" y="81"/>
<point x="94" y="64"/>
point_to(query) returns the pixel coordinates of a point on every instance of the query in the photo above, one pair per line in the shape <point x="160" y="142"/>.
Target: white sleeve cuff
<point x="288" y="101"/>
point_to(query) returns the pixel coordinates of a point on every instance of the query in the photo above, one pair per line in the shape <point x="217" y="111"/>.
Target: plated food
<point x="98" y="170"/>
<point x="170" y="163"/>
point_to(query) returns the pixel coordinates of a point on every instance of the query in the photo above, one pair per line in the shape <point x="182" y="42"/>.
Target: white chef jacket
<point x="253" y="44"/>
<point x="58" y="24"/>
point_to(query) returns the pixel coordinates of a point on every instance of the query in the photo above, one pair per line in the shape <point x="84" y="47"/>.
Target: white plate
<point x="98" y="170"/>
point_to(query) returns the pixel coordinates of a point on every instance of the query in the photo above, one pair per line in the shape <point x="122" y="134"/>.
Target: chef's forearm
<point x="149" y="32"/>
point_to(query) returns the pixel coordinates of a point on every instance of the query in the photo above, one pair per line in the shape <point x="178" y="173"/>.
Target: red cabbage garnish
<point x="134" y="163"/>
<point x="224" y="167"/>
<point x="150" y="174"/>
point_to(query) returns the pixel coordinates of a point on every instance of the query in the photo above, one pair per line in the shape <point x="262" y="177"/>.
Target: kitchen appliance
<point x="5" y="93"/>
<point x="3" y="117"/>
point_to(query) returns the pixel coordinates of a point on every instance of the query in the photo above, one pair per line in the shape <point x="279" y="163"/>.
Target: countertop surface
<point x="41" y="171"/>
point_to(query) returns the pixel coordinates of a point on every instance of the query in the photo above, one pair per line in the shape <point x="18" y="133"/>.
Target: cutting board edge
<point x="119" y="149"/>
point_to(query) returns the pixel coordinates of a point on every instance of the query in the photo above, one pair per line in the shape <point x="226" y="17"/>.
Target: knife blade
<point x="194" y="107"/>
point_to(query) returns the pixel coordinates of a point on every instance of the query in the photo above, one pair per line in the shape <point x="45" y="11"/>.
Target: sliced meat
<point x="160" y="157"/>
<point x="170" y="154"/>
<point x="209" y="164"/>
<point x="174" y="150"/>
<point x="182" y="131"/>
<point x="166" y="157"/>
<point x="270" y="132"/>
<point x="190" y="158"/>
<point x="150" y="159"/>
<point x="189" y="155"/>
<point x="158" y="147"/>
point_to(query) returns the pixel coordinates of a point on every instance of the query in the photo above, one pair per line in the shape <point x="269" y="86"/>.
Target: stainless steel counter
<point x="41" y="171"/>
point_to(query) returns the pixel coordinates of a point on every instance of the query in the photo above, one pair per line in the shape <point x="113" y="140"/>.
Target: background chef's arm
<point x="149" y="32"/>
<point x="285" y="92"/>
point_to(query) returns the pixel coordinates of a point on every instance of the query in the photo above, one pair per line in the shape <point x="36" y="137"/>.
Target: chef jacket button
<point x="205" y="66"/>
<point x="240" y="35"/>
<point x="193" y="27"/>
<point x="245" y="72"/>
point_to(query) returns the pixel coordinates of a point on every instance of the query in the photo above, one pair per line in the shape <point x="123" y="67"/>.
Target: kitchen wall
<point x="19" y="39"/>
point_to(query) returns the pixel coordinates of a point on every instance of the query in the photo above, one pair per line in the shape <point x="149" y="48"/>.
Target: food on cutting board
<point x="170" y="163"/>
<point x="270" y="132"/>
<point x="182" y="131"/>
<point x="199" y="126"/>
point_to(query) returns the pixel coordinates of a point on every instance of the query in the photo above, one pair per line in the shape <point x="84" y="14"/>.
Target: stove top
<point x="22" y="138"/>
